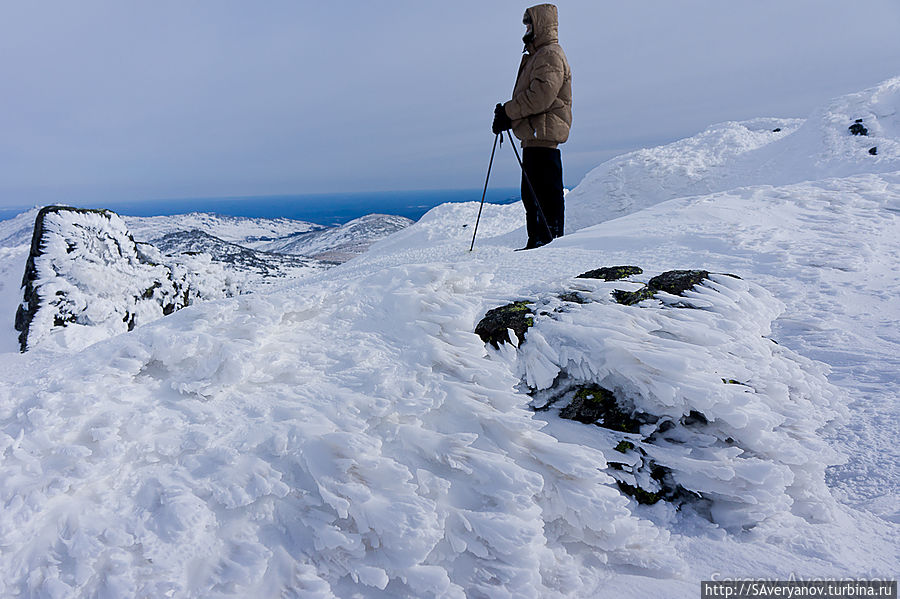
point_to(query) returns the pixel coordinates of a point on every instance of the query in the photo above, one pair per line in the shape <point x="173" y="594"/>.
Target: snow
<point x="350" y="436"/>
<point x="15" y="240"/>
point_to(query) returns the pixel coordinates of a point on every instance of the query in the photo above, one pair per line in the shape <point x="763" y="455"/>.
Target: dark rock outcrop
<point x="494" y="327"/>
<point x="634" y="435"/>
<point x="595" y="405"/>
<point x="629" y="298"/>
<point x="858" y="128"/>
<point x="611" y="273"/>
<point x="675" y="282"/>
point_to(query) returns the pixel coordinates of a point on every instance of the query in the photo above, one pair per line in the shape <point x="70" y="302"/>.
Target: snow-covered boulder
<point x="692" y="402"/>
<point x="86" y="279"/>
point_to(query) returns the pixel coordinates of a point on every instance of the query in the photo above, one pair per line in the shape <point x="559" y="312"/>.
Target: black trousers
<point x="544" y="214"/>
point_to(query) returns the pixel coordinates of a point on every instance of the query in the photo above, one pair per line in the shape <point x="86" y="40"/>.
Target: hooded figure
<point x="540" y="115"/>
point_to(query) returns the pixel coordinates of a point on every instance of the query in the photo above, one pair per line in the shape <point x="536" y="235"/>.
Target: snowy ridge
<point x="17" y="231"/>
<point x="275" y="236"/>
<point x="695" y="166"/>
<point x="90" y="302"/>
<point x="740" y="154"/>
<point x="257" y="268"/>
<point x="350" y="436"/>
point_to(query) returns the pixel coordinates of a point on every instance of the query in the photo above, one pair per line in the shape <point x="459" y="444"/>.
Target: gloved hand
<point x="501" y="121"/>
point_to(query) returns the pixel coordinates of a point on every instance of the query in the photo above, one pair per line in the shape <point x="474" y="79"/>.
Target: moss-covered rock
<point x="595" y="405"/>
<point x="677" y="282"/>
<point x="661" y="487"/>
<point x="494" y="327"/>
<point x="734" y="382"/>
<point x="629" y="298"/>
<point x="573" y="297"/>
<point x="624" y="446"/>
<point x="642" y="496"/>
<point x="611" y="273"/>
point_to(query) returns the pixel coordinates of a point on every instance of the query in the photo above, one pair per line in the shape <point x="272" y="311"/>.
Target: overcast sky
<point x="118" y="101"/>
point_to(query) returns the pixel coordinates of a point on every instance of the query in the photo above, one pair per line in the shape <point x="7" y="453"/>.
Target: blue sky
<point x="105" y="100"/>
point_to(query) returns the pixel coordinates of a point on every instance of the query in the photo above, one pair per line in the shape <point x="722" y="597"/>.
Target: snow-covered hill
<point x="276" y="236"/>
<point x="340" y="243"/>
<point x="737" y="154"/>
<point x="263" y="267"/>
<point x="247" y="232"/>
<point x="350" y="435"/>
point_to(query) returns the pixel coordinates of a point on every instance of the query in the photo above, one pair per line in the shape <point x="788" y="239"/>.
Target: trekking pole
<point x="483" y="193"/>
<point x="531" y="187"/>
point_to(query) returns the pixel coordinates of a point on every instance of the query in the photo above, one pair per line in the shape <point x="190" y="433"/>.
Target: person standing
<point x="540" y="115"/>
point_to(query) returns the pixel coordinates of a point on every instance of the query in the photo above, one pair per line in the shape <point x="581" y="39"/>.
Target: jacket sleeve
<point x="541" y="92"/>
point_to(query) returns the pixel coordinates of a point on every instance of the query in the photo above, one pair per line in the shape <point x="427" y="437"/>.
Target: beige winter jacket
<point x="541" y="105"/>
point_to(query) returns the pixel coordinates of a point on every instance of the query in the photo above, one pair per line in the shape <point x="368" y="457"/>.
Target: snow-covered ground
<point x="349" y="435"/>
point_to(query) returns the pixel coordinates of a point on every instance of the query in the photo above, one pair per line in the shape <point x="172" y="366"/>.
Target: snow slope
<point x="351" y="436"/>
<point x="15" y="241"/>
<point x="739" y="154"/>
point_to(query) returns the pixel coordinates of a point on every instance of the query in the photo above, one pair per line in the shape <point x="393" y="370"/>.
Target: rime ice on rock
<point x="86" y="273"/>
<point x="692" y="403"/>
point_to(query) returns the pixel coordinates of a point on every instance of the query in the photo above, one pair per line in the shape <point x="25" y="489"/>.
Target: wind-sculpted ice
<point x="733" y="416"/>
<point x="307" y="436"/>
